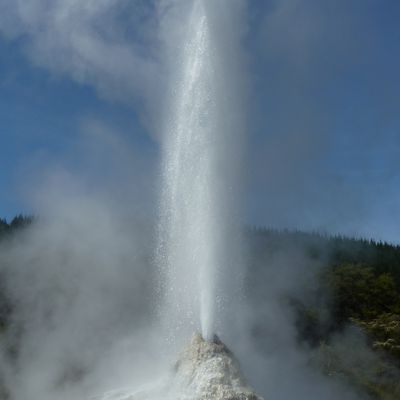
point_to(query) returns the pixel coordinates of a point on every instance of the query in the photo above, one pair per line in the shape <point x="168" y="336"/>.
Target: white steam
<point x="80" y="282"/>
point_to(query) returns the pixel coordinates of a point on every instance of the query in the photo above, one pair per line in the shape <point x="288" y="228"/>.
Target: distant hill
<point x="334" y="250"/>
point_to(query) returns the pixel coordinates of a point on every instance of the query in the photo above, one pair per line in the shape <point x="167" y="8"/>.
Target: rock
<point x="205" y="370"/>
<point x="208" y="370"/>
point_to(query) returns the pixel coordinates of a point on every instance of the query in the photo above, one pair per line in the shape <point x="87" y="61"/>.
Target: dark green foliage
<point x="332" y="250"/>
<point x="5" y="310"/>
<point x="17" y="223"/>
<point x="309" y="325"/>
<point x="20" y="221"/>
<point x="359" y="291"/>
<point x="7" y="230"/>
<point x="3" y="227"/>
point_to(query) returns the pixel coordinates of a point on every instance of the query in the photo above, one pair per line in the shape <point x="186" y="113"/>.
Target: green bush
<point x="358" y="292"/>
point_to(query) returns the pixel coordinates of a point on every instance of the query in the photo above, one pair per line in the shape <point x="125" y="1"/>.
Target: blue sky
<point x="323" y="110"/>
<point x="40" y="117"/>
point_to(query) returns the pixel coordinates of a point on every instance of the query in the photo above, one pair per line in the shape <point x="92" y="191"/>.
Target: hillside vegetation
<point x="347" y="285"/>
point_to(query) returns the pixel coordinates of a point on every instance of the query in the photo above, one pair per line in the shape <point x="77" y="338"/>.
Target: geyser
<point x="199" y="157"/>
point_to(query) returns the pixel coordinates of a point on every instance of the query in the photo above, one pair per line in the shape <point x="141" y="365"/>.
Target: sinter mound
<point x="204" y="371"/>
<point x="208" y="370"/>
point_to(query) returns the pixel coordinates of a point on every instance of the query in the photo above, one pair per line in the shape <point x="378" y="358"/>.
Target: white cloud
<point x="111" y="45"/>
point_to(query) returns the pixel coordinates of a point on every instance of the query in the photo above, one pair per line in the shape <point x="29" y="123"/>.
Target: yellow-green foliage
<point x="385" y="331"/>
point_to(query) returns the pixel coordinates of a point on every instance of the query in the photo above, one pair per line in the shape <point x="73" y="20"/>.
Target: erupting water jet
<point x="194" y="207"/>
<point x="197" y="238"/>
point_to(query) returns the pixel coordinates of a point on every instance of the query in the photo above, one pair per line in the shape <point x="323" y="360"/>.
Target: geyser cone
<point x="208" y="370"/>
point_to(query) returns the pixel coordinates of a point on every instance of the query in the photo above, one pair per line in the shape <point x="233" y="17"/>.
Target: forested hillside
<point x="343" y="285"/>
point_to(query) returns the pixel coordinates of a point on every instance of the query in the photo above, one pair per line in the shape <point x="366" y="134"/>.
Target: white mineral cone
<point x="206" y="370"/>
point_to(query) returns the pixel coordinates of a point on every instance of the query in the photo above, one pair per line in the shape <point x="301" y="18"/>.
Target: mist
<point x="89" y="308"/>
<point x="81" y="279"/>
